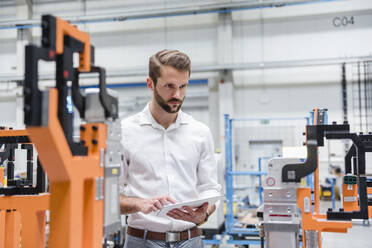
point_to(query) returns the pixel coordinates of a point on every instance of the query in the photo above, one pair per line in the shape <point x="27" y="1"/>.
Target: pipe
<point x="171" y="12"/>
<point x="141" y="84"/>
<point x="216" y="68"/>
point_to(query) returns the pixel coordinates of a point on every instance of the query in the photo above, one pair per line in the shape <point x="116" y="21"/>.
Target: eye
<point x="183" y="86"/>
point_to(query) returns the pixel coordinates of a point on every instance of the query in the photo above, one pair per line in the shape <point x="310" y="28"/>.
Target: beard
<point x="166" y="105"/>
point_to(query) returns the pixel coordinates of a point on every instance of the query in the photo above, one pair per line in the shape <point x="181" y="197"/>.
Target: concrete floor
<point x="358" y="236"/>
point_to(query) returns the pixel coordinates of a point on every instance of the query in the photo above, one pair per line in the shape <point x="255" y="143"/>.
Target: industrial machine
<point x="22" y="202"/>
<point x="288" y="207"/>
<point x="83" y="174"/>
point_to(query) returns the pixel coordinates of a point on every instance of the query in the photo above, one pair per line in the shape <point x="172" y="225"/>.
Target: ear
<point x="150" y="84"/>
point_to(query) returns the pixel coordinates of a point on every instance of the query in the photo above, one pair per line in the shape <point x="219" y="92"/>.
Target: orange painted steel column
<point x="369" y="192"/>
<point x="76" y="217"/>
<point x="2" y="228"/>
<point x="31" y="212"/>
<point x="13" y="229"/>
<point x="316" y="173"/>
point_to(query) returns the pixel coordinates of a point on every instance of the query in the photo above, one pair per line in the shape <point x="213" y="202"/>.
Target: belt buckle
<point x="172" y="236"/>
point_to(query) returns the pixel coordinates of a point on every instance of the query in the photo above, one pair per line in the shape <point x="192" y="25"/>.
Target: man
<point x="169" y="158"/>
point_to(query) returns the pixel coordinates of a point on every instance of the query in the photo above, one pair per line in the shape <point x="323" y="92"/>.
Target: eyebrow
<point x="175" y="83"/>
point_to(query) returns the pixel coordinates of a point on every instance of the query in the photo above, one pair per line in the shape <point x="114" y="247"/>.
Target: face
<point x="170" y="89"/>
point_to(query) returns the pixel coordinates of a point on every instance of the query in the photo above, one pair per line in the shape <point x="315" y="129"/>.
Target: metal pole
<point x="228" y="176"/>
<point x="344" y="92"/>
<point x="260" y="180"/>
<point x="360" y="100"/>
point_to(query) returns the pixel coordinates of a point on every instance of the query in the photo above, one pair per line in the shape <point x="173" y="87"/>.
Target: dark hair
<point x="173" y="58"/>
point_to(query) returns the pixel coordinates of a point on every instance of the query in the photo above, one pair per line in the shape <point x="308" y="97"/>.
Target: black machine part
<point x="363" y="205"/>
<point x="314" y="137"/>
<point x="109" y="103"/>
<point x="20" y="182"/>
<point x="361" y="145"/>
<point x="64" y="73"/>
<point x="22" y="186"/>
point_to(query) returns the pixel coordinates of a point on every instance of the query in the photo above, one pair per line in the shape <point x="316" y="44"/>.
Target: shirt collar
<point x="146" y="118"/>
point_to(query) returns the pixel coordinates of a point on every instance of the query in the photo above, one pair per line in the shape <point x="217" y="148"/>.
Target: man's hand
<point x="188" y="214"/>
<point x="147" y="206"/>
<point x="131" y="205"/>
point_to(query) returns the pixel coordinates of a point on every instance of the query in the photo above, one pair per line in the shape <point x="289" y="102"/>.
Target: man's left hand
<point x="196" y="216"/>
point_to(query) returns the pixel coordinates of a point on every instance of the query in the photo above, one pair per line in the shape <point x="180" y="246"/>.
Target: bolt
<point x="94" y="142"/>
<point x="95" y="128"/>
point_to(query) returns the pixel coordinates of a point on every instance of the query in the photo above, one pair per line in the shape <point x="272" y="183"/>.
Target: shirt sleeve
<point x="207" y="185"/>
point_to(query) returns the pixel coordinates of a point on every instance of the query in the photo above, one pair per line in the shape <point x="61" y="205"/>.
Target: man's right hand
<point x="131" y="205"/>
<point x="147" y="206"/>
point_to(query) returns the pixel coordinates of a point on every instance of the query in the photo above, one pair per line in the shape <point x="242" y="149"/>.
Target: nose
<point x="177" y="94"/>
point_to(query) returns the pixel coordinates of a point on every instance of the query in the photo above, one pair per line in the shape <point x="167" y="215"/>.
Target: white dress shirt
<point x="178" y="162"/>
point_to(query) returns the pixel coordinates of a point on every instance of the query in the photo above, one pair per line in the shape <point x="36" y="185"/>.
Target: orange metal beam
<point x="65" y="28"/>
<point x="2" y="228"/>
<point x="12" y="133"/>
<point x="27" y="211"/>
<point x="317" y="222"/>
<point x="316" y="173"/>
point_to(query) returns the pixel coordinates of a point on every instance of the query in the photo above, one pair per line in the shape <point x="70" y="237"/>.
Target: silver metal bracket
<point x="102" y="157"/>
<point x="99" y="188"/>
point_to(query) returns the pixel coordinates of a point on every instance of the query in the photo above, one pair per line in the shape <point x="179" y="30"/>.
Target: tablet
<point x="193" y="204"/>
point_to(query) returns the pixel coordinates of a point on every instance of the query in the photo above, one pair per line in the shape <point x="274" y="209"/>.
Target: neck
<point x="161" y="116"/>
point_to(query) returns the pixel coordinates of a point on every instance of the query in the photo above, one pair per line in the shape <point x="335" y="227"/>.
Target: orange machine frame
<point x="369" y="192"/>
<point x="22" y="212"/>
<point x="314" y="221"/>
<point x="76" y="217"/>
<point x="316" y="175"/>
<point x="76" y="182"/>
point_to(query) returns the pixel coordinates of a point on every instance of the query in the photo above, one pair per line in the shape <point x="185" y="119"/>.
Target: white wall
<point x="8" y="112"/>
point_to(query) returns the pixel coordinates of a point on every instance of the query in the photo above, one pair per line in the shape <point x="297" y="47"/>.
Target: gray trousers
<point x="134" y="242"/>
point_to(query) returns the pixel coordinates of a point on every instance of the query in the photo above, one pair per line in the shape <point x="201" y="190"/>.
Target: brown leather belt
<point x="167" y="236"/>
